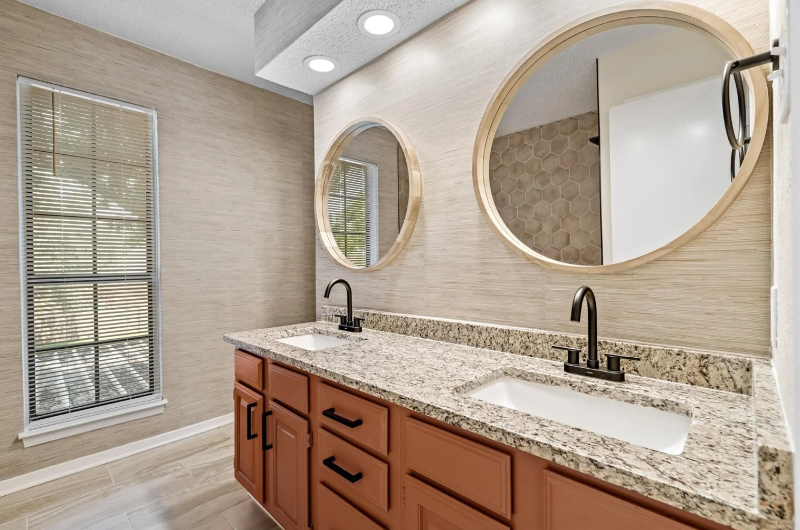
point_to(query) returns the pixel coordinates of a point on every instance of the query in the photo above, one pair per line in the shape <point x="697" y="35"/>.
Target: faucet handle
<point x="612" y="361"/>
<point x="354" y="326"/>
<point x="573" y="354"/>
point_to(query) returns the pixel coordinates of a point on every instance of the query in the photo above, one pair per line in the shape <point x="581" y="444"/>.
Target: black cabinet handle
<point x="352" y="479"/>
<point x="250" y="434"/>
<point x="331" y="413"/>
<point x="264" y="445"/>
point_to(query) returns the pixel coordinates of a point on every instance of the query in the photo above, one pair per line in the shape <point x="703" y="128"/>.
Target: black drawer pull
<point x="352" y="479"/>
<point x="264" y="445"/>
<point x="250" y="434"/>
<point x="331" y="413"/>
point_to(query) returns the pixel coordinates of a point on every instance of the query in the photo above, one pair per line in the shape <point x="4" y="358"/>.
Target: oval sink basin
<point x="314" y="341"/>
<point x="644" y="426"/>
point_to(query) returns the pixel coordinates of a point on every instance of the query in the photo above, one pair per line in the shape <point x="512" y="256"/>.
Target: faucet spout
<point x="349" y="296"/>
<point x="591" y="304"/>
<point x="348" y="322"/>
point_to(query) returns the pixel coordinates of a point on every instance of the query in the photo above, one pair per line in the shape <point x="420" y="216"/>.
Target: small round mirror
<point x="368" y="196"/>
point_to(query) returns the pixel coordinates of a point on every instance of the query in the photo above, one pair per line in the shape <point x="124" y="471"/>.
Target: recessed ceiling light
<point x="320" y="63"/>
<point x="378" y="23"/>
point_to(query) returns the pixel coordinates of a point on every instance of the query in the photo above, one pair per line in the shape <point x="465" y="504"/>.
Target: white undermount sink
<point x="314" y="341"/>
<point x="644" y="426"/>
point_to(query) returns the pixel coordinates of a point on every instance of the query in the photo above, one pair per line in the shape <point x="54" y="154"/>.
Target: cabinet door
<point x="248" y="461"/>
<point x="598" y="510"/>
<point x="429" y="509"/>
<point x="288" y="469"/>
<point x="335" y="513"/>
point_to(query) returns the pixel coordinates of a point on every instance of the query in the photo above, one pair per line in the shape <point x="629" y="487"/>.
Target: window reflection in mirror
<point x="368" y="196"/>
<point x="615" y="146"/>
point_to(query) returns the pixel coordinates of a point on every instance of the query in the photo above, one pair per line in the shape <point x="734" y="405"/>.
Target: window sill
<point x="50" y="433"/>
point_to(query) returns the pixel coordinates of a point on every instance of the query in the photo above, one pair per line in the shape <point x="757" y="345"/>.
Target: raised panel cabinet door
<point x="429" y="509"/>
<point x="248" y="460"/>
<point x="570" y="505"/>
<point x="288" y="468"/>
<point x="335" y="513"/>
<point x="468" y="468"/>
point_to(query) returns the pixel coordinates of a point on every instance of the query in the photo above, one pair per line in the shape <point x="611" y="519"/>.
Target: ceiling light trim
<point x="308" y="60"/>
<point x="362" y="23"/>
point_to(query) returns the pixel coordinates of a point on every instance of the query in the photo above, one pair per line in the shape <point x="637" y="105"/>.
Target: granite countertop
<point x="732" y="470"/>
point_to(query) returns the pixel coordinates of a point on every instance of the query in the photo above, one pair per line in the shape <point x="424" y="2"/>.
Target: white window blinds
<point x="352" y="209"/>
<point x="89" y="252"/>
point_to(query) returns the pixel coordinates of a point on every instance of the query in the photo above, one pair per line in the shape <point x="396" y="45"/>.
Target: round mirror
<point x="612" y="148"/>
<point x="368" y="195"/>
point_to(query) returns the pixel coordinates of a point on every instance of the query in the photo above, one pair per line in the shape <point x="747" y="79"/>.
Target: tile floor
<point x="184" y="485"/>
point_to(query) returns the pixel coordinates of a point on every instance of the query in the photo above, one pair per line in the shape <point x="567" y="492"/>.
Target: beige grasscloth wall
<point x="712" y="294"/>
<point x="236" y="205"/>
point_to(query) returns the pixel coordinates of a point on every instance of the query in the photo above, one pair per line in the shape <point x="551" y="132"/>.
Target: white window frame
<point x="48" y="429"/>
<point x="372" y="186"/>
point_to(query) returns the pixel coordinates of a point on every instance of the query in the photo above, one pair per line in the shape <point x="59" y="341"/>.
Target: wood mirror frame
<point x="324" y="183"/>
<point x="667" y="13"/>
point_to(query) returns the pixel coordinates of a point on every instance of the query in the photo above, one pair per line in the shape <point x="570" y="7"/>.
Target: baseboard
<point x="64" y="469"/>
<point x="263" y="509"/>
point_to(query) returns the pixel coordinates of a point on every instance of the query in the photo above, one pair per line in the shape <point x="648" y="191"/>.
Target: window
<point x="353" y="210"/>
<point x="89" y="254"/>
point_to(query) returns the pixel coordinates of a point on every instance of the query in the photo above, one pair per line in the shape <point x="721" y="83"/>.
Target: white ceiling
<point x="214" y="34"/>
<point x="566" y="85"/>
<point x="336" y="35"/>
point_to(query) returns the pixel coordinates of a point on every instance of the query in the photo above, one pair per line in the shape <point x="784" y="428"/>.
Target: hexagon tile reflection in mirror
<point x="615" y="146"/>
<point x="545" y="182"/>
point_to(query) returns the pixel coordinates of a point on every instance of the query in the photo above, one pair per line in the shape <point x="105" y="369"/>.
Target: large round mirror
<point x="368" y="195"/>
<point x="612" y="146"/>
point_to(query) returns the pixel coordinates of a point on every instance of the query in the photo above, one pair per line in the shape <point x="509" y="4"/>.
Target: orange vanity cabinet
<point x="272" y="438"/>
<point x="323" y="456"/>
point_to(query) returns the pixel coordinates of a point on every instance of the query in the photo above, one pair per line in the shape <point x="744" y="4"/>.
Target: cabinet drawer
<point x="288" y="387"/>
<point x="353" y="417"/>
<point x="249" y="369"/>
<point x="429" y="509"/>
<point x="598" y="510"/>
<point x="477" y="472"/>
<point x="336" y="513"/>
<point x="355" y="474"/>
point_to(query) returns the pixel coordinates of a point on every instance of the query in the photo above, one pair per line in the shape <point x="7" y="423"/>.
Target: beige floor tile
<point x="89" y="511"/>
<point x="19" y="524"/>
<point x="217" y="470"/>
<point x="215" y="523"/>
<point x="119" y="522"/>
<point x="228" y="429"/>
<point x="186" y="510"/>
<point x="165" y="455"/>
<point x="53" y="493"/>
<point x="249" y="516"/>
<point x="212" y="462"/>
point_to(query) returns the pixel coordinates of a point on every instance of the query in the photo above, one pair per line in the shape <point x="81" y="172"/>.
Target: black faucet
<point x="591" y="304"/>
<point x="612" y="371"/>
<point x="347" y="322"/>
